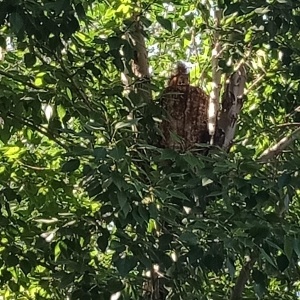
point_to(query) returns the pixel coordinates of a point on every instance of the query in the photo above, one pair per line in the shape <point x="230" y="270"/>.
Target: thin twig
<point x="78" y="89"/>
<point x="288" y="124"/>
<point x="296" y="110"/>
<point x="255" y="82"/>
<point x="278" y="148"/>
<point x="33" y="167"/>
<point x="242" y="279"/>
<point x="27" y="83"/>
<point x="40" y="129"/>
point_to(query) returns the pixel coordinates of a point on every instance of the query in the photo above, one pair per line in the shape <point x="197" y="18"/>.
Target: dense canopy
<point x="92" y="206"/>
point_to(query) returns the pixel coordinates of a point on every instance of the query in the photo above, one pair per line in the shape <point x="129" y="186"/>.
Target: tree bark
<point x="140" y="63"/>
<point x="214" y="99"/>
<point x="139" y="66"/>
<point x="242" y="279"/>
<point x="280" y="146"/>
<point x="232" y="103"/>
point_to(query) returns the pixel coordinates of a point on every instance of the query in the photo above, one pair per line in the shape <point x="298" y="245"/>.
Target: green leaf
<point x="145" y="21"/>
<point x="153" y="211"/>
<point x="122" y="199"/>
<point x="118" y="62"/>
<point x="125" y="265"/>
<point x="296" y="246"/>
<point x="66" y="280"/>
<point x="80" y="294"/>
<point x="193" y="161"/>
<point x="69" y="93"/>
<point x="232" y="8"/>
<point x="165" y="23"/>
<point x="231" y="267"/>
<point x="251" y="202"/>
<point x="144" y="213"/>
<point x="80" y="11"/>
<point x="10" y="194"/>
<point x="267" y="257"/>
<point x="6" y="275"/>
<point x="118" y="152"/>
<point x="206" y="181"/>
<point x="282" y="262"/>
<point x="117" y="246"/>
<point x="215" y="193"/>
<point x="260" y="289"/>
<point x="12" y="260"/>
<point x="61" y="112"/>
<point x="288" y="246"/>
<point x="100" y="153"/>
<point x="5" y="134"/>
<point x="14" y="287"/>
<point x="262" y="10"/>
<point x="258" y="276"/>
<point x="284" y="180"/>
<point x="115" y="42"/>
<point x="271" y="28"/>
<point x="213" y="262"/>
<point x="119" y="181"/>
<point x="195" y="254"/>
<point x="168" y="154"/>
<point x="189" y="238"/>
<point x="103" y="239"/>
<point x="70" y="166"/>
<point x="29" y="60"/>
<point x="259" y="232"/>
<point x="16" y="22"/>
<point x="177" y="194"/>
<point x="128" y="123"/>
<point x="2" y="42"/>
<point x="114" y="285"/>
<point x="165" y="241"/>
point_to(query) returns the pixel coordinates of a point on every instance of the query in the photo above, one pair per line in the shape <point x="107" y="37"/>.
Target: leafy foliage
<point x="88" y="205"/>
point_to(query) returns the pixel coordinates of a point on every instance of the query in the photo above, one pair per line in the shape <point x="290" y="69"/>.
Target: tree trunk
<point x="232" y="103"/>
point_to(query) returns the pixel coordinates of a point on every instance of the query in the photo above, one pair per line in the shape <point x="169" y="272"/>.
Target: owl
<point x="186" y="109"/>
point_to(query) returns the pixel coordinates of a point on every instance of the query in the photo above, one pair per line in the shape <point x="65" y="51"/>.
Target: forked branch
<point x="139" y="64"/>
<point x="232" y="103"/>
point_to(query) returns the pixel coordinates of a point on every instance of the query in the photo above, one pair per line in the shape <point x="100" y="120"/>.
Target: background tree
<point x="89" y="205"/>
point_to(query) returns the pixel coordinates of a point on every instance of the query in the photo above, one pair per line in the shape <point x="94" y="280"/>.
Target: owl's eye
<point x="182" y="80"/>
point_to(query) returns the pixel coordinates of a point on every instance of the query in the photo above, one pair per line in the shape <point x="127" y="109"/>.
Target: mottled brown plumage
<point x="186" y="107"/>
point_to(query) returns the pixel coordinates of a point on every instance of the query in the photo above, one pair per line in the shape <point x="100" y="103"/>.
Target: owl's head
<point x="180" y="76"/>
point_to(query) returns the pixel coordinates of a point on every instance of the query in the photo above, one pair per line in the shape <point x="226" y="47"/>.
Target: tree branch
<point x="77" y="87"/>
<point x="231" y="105"/>
<point x="27" y="83"/>
<point x="214" y="98"/>
<point x="288" y="124"/>
<point x="39" y="129"/>
<point x="280" y="146"/>
<point x="140" y="63"/>
<point x="242" y="279"/>
<point x="33" y="167"/>
<point x="255" y="82"/>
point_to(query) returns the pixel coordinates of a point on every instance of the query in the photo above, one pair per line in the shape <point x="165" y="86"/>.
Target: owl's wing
<point x="173" y="101"/>
<point x="196" y="116"/>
